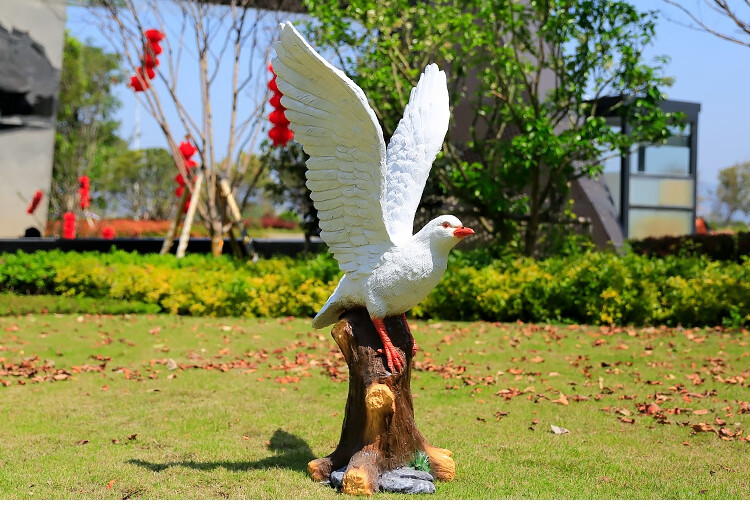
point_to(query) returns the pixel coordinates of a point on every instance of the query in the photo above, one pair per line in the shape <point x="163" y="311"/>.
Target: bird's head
<point x="445" y="231"/>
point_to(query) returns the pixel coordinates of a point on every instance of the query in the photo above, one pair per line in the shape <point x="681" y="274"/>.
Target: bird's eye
<point x="446" y="224"/>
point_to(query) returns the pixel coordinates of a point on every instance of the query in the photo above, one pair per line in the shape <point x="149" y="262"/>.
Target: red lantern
<point x="69" y="226"/>
<point x="187" y="149"/>
<point x="108" y="232"/>
<point x="155" y="47"/>
<point x="35" y="202"/>
<point x="276" y="101"/>
<point x="278" y="117"/>
<point x="154" y="35"/>
<point x="83" y="192"/>
<point x="150" y="61"/>
<point x="150" y="73"/>
<point x="179" y="190"/>
<point x="138" y="84"/>
<point x="280" y="133"/>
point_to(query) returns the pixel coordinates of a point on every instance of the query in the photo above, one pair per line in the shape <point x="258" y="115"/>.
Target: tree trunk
<point x="379" y="432"/>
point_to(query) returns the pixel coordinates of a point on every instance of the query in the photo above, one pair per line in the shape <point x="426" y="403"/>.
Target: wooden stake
<point x="169" y="239"/>
<point x="189" y="216"/>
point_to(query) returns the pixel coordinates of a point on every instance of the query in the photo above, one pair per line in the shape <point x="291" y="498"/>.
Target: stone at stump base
<point x="379" y="436"/>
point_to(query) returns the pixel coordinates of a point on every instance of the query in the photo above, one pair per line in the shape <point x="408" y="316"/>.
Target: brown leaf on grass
<point x="700" y="412"/>
<point x="100" y="358"/>
<point x="115" y="441"/>
<point x="563" y="399"/>
<point x="514" y="370"/>
<point x="82" y="442"/>
<point x="154" y="331"/>
<point x="703" y="427"/>
<point x="622" y="411"/>
<point x="537" y="359"/>
<point x="625" y="419"/>
<point x="480" y="419"/>
<point x="500" y="414"/>
<point x="685" y="443"/>
<point x="132" y="437"/>
<point x="718" y="421"/>
<point x="111" y="482"/>
<point x="105" y="387"/>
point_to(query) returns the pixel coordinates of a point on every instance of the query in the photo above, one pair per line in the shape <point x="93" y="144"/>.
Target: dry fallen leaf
<point x="82" y="442"/>
<point x="111" y="482"/>
<point x="624" y="419"/>
<point x="559" y="430"/>
<point x="700" y="412"/>
<point x="563" y="399"/>
<point x="703" y="427"/>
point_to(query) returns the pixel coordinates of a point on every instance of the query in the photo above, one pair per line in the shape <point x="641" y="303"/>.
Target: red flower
<point x="35" y="200"/>
<point x="138" y="84"/>
<point x="154" y="35"/>
<point x="69" y="226"/>
<point x="187" y="149"/>
<point x="108" y="232"/>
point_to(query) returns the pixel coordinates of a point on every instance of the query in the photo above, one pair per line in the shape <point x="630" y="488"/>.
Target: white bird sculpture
<point x="366" y="196"/>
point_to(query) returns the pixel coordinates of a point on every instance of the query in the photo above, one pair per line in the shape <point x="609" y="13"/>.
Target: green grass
<point x="248" y="432"/>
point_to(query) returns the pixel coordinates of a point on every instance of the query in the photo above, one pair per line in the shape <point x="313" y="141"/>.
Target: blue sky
<point x="707" y="70"/>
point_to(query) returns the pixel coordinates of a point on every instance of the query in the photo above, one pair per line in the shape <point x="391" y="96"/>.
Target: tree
<point x="85" y="138"/>
<point x="524" y="79"/>
<point x="730" y="11"/>
<point x="734" y="189"/>
<point x="205" y="32"/>
<point x="140" y="183"/>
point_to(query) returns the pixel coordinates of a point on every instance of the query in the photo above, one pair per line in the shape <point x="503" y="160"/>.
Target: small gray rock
<point x="337" y="478"/>
<point x="406" y="480"/>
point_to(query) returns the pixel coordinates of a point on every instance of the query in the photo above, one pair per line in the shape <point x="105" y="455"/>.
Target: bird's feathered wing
<point x="412" y="149"/>
<point x="330" y="117"/>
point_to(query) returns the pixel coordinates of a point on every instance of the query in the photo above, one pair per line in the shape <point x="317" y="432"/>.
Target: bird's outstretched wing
<point x="330" y="117"/>
<point x="412" y="149"/>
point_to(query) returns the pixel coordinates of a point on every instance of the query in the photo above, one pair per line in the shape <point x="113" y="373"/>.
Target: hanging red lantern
<point x="36" y="199"/>
<point x="69" y="226"/>
<point x="154" y="35"/>
<point x="149" y="74"/>
<point x="83" y="191"/>
<point x="280" y="134"/>
<point x="150" y="61"/>
<point x="138" y="84"/>
<point x="187" y="149"/>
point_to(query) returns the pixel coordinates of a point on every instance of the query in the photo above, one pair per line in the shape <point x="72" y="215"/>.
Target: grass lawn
<point x="94" y="408"/>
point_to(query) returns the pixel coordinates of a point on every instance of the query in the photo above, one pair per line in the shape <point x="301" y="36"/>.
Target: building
<point x="31" y="49"/>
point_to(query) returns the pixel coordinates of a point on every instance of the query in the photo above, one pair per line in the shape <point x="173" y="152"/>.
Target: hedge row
<point x="732" y="247"/>
<point x="595" y="287"/>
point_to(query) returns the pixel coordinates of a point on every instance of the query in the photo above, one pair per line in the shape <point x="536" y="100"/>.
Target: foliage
<point x="85" y="138"/>
<point x="717" y="246"/>
<point x="140" y="183"/>
<point x="420" y="462"/>
<point x="524" y="79"/>
<point x="251" y="402"/>
<point x="734" y="189"/>
<point x="595" y="287"/>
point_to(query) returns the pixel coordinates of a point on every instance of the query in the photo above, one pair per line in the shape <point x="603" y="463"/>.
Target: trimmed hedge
<point x="732" y="247"/>
<point x="594" y="287"/>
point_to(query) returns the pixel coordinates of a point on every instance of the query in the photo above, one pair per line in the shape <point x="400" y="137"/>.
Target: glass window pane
<point x="663" y="160"/>
<point x="657" y="222"/>
<point x="612" y="180"/>
<point x="649" y="191"/>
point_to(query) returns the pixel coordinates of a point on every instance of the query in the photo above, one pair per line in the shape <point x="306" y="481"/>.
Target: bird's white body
<point x="366" y="195"/>
<point x="405" y="275"/>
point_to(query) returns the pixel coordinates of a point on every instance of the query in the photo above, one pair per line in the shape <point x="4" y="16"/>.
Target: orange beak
<point x="462" y="232"/>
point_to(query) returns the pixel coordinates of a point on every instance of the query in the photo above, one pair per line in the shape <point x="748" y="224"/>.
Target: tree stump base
<point x="379" y="433"/>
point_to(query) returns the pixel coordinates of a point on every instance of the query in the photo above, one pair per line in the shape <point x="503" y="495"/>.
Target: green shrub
<point x="593" y="287"/>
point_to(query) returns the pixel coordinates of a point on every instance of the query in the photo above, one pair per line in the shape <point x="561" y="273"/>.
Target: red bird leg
<point x="394" y="359"/>
<point x="414" y="346"/>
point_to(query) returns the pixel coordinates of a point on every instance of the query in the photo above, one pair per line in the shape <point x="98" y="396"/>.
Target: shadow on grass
<point x="291" y="451"/>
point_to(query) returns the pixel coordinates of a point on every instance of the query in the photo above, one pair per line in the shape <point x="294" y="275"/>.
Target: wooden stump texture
<point x="378" y="433"/>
